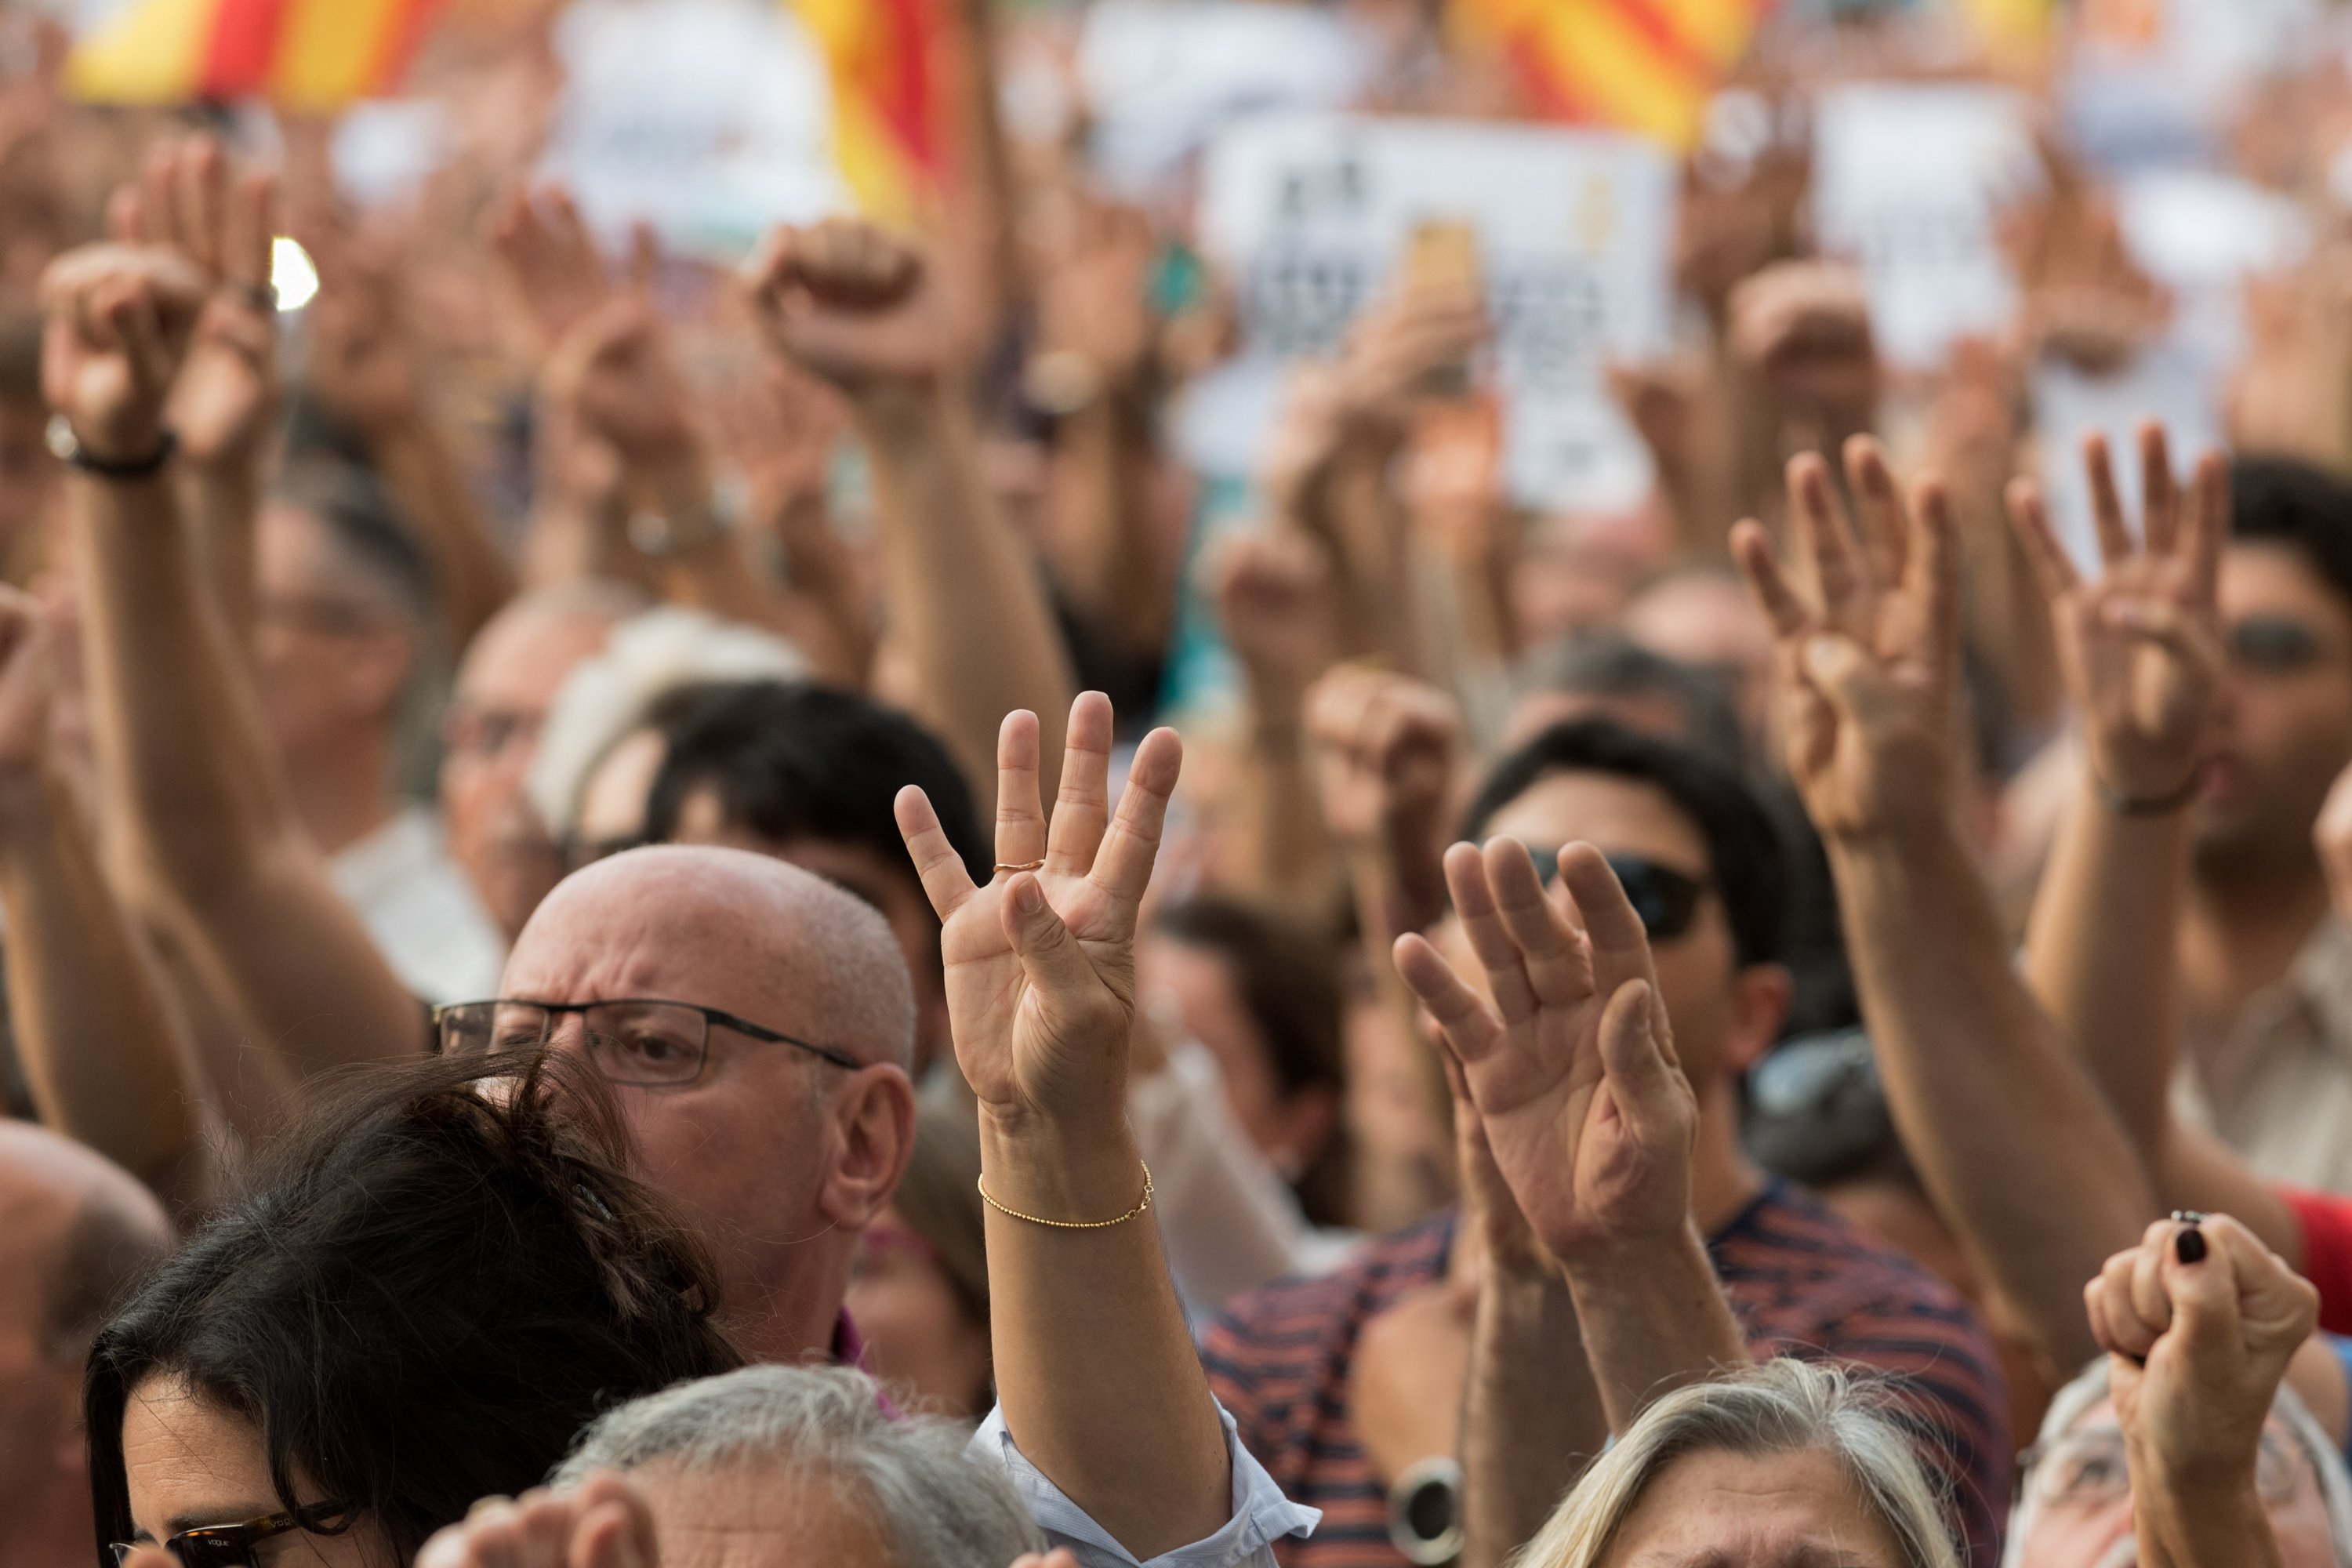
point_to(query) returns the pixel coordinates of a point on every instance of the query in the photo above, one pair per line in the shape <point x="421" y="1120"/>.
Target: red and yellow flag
<point x="888" y="101"/>
<point x="1641" y="65"/>
<point x="306" y="54"/>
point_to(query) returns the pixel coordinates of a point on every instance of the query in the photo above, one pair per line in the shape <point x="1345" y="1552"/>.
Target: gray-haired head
<point x="2090" y="1390"/>
<point x="1782" y="1407"/>
<point x="910" y="1478"/>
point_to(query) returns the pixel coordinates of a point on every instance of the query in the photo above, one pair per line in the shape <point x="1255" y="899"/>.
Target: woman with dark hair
<point x="439" y="1279"/>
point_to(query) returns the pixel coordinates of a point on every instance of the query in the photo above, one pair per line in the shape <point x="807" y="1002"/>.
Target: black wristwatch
<point x="65" y="444"/>
<point x="1425" y="1512"/>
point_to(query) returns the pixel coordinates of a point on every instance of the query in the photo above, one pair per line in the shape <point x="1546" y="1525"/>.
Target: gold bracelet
<point x="1135" y="1213"/>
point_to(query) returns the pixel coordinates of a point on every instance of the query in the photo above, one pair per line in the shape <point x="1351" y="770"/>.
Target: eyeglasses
<point x="1666" y="898"/>
<point x="232" y="1545"/>
<point x="639" y="1042"/>
<point x="2273" y="644"/>
<point x="2089" y="1468"/>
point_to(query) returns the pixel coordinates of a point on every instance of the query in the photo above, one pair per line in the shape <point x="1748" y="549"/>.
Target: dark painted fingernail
<point x="2189" y="1245"/>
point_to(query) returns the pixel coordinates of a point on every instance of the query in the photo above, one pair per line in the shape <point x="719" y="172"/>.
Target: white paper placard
<point x="1162" y="77"/>
<point x="709" y="119"/>
<point x="1908" y="183"/>
<point x="1310" y="216"/>
<point x="2168" y="384"/>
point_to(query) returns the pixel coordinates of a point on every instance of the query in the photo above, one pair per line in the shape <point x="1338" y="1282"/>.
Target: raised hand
<point x="1041" y="962"/>
<point x="120" y="322"/>
<point x="604" y="1522"/>
<point x="1388" y="744"/>
<point x="362" y="362"/>
<point x="551" y="263"/>
<point x="1869" y="644"/>
<point x="2201" y="1320"/>
<point x="852" y="303"/>
<point x="1572" y="1064"/>
<point x="1275" y="601"/>
<point x="2141" y="646"/>
<point x="223" y="223"/>
<point x="614" y="374"/>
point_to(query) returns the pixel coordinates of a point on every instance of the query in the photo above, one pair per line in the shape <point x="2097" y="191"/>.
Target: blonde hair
<point x="1782" y="1407"/>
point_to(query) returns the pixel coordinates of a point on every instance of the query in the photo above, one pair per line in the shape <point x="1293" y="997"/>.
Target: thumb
<point x="2201" y="1280"/>
<point x="1631" y="1056"/>
<point x="1056" y="964"/>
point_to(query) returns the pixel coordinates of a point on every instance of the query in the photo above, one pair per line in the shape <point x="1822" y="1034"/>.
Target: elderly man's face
<point x="2079" y="1492"/>
<point x="755" y="1515"/>
<point x="743" y="1151"/>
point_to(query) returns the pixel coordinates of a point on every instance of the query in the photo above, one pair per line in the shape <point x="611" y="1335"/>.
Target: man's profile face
<point x="2082" y="1505"/>
<point x="490" y="736"/>
<point x="2283" y="729"/>
<point x="1627" y="816"/>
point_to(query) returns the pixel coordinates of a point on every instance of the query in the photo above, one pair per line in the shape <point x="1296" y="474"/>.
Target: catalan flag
<point x="1648" y="66"/>
<point x="307" y="55"/>
<point x="888" y="99"/>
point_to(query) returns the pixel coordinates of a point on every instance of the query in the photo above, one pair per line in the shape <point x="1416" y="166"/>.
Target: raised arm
<point x="967" y="603"/>
<point x="2199" y="1323"/>
<point x="1571" y="1066"/>
<point x="1099" y="1385"/>
<point x="2140" y="651"/>
<point x="2013" y="1140"/>
<point x="212" y="850"/>
<point x="107" y="1062"/>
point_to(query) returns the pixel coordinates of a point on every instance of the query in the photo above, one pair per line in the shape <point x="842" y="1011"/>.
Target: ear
<point x="873" y="1137"/>
<point x="1761" y="996"/>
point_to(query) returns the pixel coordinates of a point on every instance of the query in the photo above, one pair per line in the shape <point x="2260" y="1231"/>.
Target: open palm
<point x="1041" y="961"/>
<point x="2140" y="646"/>
<point x="1868" y="634"/>
<point x="1572" y="1067"/>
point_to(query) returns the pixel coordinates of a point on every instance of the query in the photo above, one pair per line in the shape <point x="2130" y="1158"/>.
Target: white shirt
<point x="420" y="910"/>
<point x="1262" y="1515"/>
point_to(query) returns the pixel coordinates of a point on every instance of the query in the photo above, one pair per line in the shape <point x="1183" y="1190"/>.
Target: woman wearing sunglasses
<point x="438" y="1281"/>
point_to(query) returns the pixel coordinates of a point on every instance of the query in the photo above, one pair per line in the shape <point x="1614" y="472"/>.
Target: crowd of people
<point x="628" y="945"/>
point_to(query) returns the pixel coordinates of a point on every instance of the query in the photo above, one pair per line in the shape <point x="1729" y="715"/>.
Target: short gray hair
<point x="1782" y="1407"/>
<point x="910" y="1477"/>
<point x="2091" y="1388"/>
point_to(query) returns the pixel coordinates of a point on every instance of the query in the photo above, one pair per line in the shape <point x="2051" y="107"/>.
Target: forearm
<point x="473" y="572"/>
<point x="965" y="598"/>
<point x="1289" y="849"/>
<point x="1655" y="1318"/>
<point x="223" y="503"/>
<point x="2222" y="1526"/>
<point x="825" y="608"/>
<point x="1533" y="1416"/>
<point x="1380" y="616"/>
<point x="2098" y="954"/>
<point x="2013" y="1140"/>
<point x="1105" y="557"/>
<point x="107" y="1059"/>
<point x="1096" y="1374"/>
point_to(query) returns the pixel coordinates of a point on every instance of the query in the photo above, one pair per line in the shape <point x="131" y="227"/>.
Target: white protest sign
<point x="709" y="119"/>
<point x="1310" y="216"/>
<point x="1162" y="76"/>
<point x="2168" y="385"/>
<point x="1908" y="183"/>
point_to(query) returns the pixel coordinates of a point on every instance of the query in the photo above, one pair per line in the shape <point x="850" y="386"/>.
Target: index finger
<point x="2107" y="502"/>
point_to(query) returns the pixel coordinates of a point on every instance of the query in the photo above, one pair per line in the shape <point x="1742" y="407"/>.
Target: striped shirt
<point x="1801" y="1280"/>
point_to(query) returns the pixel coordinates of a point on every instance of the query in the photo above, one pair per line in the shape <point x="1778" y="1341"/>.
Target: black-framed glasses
<point x="641" y="1042"/>
<point x="232" y="1545"/>
<point x="2273" y="644"/>
<point x="1666" y="898"/>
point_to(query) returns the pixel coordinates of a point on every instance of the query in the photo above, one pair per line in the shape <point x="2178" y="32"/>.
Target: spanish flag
<point x="889" y="101"/>
<point x="1648" y="66"/>
<point x="310" y="55"/>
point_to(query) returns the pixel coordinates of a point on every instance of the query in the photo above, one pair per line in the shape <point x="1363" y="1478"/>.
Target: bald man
<point x="75" y="1233"/>
<point x="779" y="1115"/>
<point x="510" y="678"/>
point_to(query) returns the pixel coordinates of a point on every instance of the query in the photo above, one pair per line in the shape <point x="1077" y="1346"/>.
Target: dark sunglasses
<point x="232" y="1545"/>
<point x="1666" y="898"/>
<point x="2273" y="644"/>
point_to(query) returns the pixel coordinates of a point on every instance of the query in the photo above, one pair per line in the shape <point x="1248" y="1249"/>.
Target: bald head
<point x="76" y="1229"/>
<point x="707" y="921"/>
